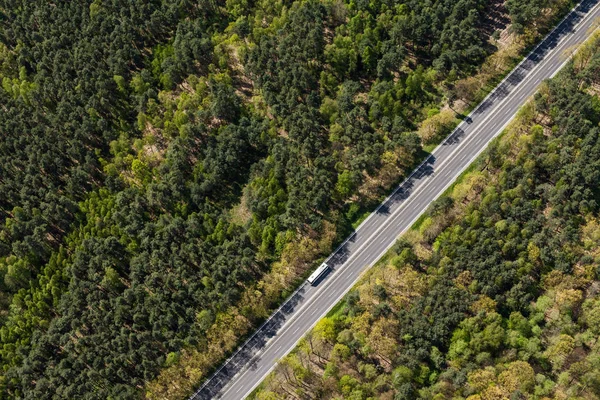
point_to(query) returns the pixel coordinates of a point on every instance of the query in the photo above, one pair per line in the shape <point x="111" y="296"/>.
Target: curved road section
<point x="280" y="333"/>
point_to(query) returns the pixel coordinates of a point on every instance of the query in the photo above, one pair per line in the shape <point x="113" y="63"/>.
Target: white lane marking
<point x="500" y="105"/>
<point x="410" y="176"/>
<point x="533" y="74"/>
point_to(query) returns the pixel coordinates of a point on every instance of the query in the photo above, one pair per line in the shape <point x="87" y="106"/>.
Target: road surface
<point x="279" y="335"/>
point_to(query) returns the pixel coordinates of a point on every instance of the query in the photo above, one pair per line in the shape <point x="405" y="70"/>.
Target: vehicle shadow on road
<point x="246" y="357"/>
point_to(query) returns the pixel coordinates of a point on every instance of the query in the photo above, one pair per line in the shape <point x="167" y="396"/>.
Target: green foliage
<point x="131" y="132"/>
<point x="510" y="307"/>
<point x="524" y="12"/>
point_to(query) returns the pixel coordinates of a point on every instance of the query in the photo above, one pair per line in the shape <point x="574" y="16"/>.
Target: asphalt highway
<point x="280" y="333"/>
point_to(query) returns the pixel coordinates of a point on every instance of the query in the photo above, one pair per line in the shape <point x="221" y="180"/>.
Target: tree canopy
<point x="495" y="293"/>
<point x="169" y="170"/>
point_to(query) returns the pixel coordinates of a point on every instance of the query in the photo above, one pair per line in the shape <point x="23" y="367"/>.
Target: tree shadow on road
<point x="246" y="357"/>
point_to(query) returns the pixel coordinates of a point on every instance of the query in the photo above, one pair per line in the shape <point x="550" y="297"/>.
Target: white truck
<point x="314" y="277"/>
